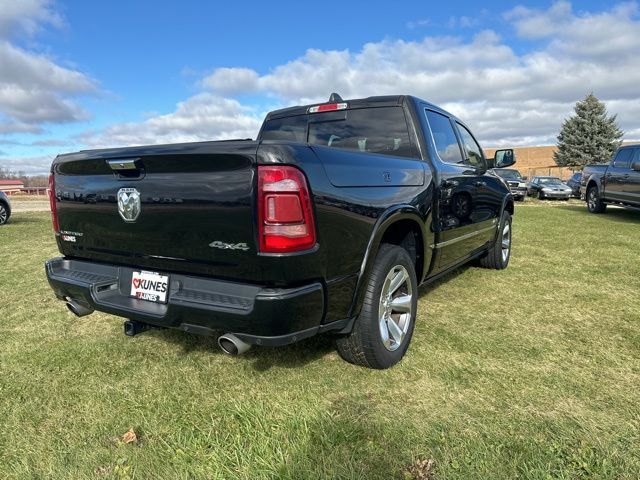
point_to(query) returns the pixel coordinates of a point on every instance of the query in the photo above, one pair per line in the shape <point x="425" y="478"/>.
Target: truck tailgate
<point x="195" y="203"/>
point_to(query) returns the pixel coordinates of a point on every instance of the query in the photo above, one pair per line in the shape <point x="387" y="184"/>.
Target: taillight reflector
<point x="328" y="107"/>
<point x="52" y="203"/>
<point x="285" y="212"/>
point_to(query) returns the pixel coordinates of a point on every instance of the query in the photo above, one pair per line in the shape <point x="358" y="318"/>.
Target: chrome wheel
<point x="593" y="199"/>
<point x="3" y="215"/>
<point x="394" y="312"/>
<point x="506" y="241"/>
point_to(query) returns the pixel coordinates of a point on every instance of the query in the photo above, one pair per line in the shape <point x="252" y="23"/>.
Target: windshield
<point x="509" y="174"/>
<point x="550" y="181"/>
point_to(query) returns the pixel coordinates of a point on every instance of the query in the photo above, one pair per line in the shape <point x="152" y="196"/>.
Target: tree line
<point x="28" y="181"/>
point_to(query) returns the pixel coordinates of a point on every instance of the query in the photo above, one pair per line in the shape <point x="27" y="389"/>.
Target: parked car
<point x="5" y="208"/>
<point x="617" y="183"/>
<point x="514" y="180"/>
<point x="574" y="182"/>
<point x="328" y="222"/>
<point x="549" y="187"/>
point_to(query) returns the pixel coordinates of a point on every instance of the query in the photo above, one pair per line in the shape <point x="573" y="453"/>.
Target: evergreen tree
<point x="590" y="136"/>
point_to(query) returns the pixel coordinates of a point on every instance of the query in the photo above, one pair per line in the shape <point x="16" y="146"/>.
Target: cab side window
<point x="444" y="137"/>
<point x="635" y="159"/>
<point x="622" y="158"/>
<point x="472" y="150"/>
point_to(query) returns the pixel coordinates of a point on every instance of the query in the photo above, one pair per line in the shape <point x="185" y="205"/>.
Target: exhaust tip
<point x="77" y="309"/>
<point x="232" y="345"/>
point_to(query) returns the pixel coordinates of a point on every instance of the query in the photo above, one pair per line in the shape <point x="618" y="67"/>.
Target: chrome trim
<point x="466" y="236"/>
<point x="123" y="164"/>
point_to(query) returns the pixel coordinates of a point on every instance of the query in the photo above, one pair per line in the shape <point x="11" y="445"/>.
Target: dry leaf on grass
<point x="130" y="436"/>
<point x="420" y="470"/>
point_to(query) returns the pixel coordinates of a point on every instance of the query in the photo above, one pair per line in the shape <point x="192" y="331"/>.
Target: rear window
<point x="381" y="130"/>
<point x="293" y="129"/>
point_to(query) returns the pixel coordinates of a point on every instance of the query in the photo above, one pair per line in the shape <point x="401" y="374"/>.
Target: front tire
<point x="383" y="330"/>
<point x="594" y="203"/>
<point x="4" y="214"/>
<point x="498" y="257"/>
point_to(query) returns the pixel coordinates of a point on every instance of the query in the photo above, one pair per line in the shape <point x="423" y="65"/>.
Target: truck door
<point x="617" y="175"/>
<point x="466" y="209"/>
<point x="632" y="186"/>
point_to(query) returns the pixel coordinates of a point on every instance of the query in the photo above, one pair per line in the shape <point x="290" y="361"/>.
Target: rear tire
<point x="383" y="330"/>
<point x="498" y="256"/>
<point x="594" y="202"/>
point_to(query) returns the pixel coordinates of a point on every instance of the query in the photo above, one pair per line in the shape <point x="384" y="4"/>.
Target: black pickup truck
<point x="615" y="183"/>
<point x="328" y="222"/>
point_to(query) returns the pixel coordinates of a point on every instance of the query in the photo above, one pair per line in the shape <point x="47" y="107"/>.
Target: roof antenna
<point x="335" y="98"/>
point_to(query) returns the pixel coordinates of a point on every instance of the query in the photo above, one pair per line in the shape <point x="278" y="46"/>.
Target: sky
<point x="77" y="74"/>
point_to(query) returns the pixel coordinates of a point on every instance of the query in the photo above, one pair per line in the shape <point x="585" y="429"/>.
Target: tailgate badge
<point x="129" y="204"/>
<point x="228" y="246"/>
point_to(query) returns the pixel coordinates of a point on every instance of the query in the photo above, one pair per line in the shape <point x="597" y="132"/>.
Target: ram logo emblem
<point x="129" y="205"/>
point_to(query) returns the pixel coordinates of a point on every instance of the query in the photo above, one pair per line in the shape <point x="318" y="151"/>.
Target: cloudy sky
<point x="78" y="74"/>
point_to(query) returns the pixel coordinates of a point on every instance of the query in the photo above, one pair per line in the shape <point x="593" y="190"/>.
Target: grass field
<point x="533" y="372"/>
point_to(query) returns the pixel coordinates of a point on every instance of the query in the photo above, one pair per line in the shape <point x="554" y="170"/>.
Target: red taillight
<point x="52" y="203"/>
<point x="327" y="107"/>
<point x="285" y="213"/>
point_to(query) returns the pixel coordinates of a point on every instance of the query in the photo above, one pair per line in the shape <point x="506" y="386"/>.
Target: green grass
<point x="533" y="372"/>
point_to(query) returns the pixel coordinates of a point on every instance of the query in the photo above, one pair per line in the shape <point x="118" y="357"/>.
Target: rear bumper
<point x="257" y="315"/>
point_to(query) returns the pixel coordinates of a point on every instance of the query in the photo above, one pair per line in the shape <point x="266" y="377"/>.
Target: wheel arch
<point x="593" y="182"/>
<point x="404" y="226"/>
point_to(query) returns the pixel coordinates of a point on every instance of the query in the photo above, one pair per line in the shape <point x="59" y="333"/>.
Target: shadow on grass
<point x="262" y="358"/>
<point x="613" y="214"/>
<point x="350" y="440"/>
<point x="424" y="289"/>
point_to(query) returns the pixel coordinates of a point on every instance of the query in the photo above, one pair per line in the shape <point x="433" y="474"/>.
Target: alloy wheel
<point x="395" y="310"/>
<point x="506" y="241"/>
<point x="593" y="199"/>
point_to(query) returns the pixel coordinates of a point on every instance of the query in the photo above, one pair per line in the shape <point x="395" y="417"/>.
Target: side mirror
<point x="636" y="166"/>
<point x="525" y="178"/>
<point x="504" y="158"/>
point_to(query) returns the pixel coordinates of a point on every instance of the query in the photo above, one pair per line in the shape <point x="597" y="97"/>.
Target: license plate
<point x="150" y="286"/>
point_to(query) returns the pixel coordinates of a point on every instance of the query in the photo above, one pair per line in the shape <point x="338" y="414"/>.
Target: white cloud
<point x="34" y="89"/>
<point x="39" y="165"/>
<point x="532" y="23"/>
<point x="26" y="16"/>
<point x="231" y="80"/>
<point x="201" y="117"/>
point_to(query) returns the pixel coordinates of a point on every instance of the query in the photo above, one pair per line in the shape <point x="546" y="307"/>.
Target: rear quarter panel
<point x="350" y="219"/>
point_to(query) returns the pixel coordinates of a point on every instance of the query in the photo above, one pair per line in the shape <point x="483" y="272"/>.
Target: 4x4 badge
<point x="129" y="205"/>
<point x="229" y="246"/>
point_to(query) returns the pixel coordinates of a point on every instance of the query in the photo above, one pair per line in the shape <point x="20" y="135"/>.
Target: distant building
<point x="11" y="186"/>
<point x="532" y="161"/>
